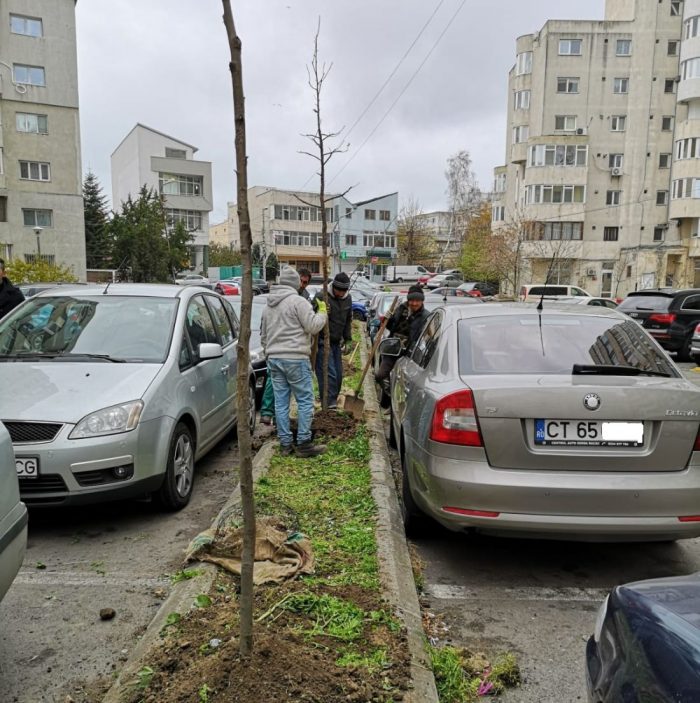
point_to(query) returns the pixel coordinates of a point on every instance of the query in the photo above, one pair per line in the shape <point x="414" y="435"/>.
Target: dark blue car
<point x="646" y="646"/>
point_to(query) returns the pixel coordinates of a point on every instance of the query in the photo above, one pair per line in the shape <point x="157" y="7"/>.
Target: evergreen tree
<point x="98" y="244"/>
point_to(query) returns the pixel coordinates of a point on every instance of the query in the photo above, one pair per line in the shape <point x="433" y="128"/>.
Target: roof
<point x="522" y="309"/>
<point x="155" y="290"/>
<point x="371" y="200"/>
<point x="155" y="131"/>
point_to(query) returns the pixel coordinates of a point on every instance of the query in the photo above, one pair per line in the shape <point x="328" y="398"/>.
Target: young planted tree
<point x="243" y="390"/>
<point x="98" y="242"/>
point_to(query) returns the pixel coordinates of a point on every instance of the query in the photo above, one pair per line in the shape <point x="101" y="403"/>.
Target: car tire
<point x="399" y="280"/>
<point x="392" y="434"/>
<point x="252" y="411"/>
<point x="357" y="315"/>
<point x="413" y="518"/>
<point x="683" y="354"/>
<point x="176" y="490"/>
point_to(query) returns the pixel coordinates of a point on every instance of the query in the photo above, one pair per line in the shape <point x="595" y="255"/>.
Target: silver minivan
<point x="116" y="391"/>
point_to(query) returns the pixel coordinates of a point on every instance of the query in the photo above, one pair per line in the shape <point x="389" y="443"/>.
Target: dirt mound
<point x="331" y="424"/>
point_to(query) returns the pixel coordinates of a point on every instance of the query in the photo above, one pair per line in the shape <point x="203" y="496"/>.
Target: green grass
<point x="373" y="661"/>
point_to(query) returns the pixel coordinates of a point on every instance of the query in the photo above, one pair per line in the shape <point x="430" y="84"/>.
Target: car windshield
<point x="519" y="344"/>
<point x="645" y="302"/>
<point x="385" y="304"/>
<point x="113" y="328"/>
<point x="256" y="314"/>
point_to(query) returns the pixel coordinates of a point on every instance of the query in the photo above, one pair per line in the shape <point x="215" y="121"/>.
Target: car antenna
<point x="109" y="283"/>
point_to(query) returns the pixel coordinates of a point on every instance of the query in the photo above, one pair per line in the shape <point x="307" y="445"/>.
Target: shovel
<point x="353" y="404"/>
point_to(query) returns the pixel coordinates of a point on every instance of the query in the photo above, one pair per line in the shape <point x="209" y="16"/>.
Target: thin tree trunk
<point x="243" y="389"/>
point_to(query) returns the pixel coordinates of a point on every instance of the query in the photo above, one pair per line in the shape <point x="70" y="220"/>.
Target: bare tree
<point x="243" y="388"/>
<point x="415" y="244"/>
<point x="325" y="151"/>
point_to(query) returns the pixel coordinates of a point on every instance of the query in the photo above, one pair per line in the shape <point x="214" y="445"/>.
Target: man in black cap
<point x="340" y="332"/>
<point x="10" y="296"/>
<point x="406" y="323"/>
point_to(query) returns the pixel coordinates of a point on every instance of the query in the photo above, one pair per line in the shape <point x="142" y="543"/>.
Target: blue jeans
<point x="292" y="377"/>
<point x="335" y="371"/>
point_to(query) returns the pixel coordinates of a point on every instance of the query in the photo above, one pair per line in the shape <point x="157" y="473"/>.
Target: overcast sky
<point x="164" y="63"/>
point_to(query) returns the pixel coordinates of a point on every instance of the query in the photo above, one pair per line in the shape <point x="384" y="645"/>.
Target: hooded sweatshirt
<point x="288" y="323"/>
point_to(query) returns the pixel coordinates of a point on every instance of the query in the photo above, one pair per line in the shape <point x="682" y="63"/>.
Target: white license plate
<point x="27" y="467"/>
<point x="588" y="433"/>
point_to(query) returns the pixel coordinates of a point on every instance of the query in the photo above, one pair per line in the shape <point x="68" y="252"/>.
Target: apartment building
<point x="288" y="223"/>
<point x="149" y="157"/>
<point x="601" y="171"/>
<point x="41" y="203"/>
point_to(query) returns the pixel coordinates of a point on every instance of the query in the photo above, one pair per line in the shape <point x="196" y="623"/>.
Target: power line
<point x="405" y="88"/>
<point x="391" y="75"/>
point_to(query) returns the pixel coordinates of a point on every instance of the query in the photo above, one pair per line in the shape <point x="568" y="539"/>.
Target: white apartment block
<point x="41" y="197"/>
<point x="602" y="173"/>
<point x="288" y="224"/>
<point x="149" y="157"/>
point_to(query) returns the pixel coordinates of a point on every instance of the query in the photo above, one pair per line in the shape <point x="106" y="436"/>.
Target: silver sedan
<point x="571" y="422"/>
<point x="116" y="391"/>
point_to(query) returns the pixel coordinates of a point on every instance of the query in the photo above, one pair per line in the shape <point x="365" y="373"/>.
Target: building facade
<point x="598" y="185"/>
<point x="149" y="157"/>
<point x="41" y="201"/>
<point x="362" y="235"/>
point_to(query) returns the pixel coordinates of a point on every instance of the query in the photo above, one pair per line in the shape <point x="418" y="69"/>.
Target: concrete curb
<point x="181" y="597"/>
<point x="394" y="560"/>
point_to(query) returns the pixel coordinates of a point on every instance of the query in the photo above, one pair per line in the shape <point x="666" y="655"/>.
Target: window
<point x="350" y="240"/>
<point x="29" y="26"/>
<point x="523" y="63"/>
<point x="669" y="85"/>
<point x="34" y="171"/>
<point x="370" y="214"/>
<point x="690" y="69"/>
<point x="621" y="86"/>
<point x="522" y="99"/>
<point x="37" y="218"/>
<point x="610" y="234"/>
<point x="618" y="123"/>
<point x="686" y="188"/>
<point x="223" y="324"/>
<point x="676" y="8"/>
<point x="666" y="124"/>
<point x="569" y="47"/>
<point x="691" y="27"/>
<point x="28" y="75"/>
<point x="688" y="148"/>
<point x="664" y="160"/>
<point x="385" y="215"/>
<point x="565" y="123"/>
<point x="659" y="234"/>
<point x="175" y="153"/>
<point x="499" y="183"/>
<point x="662" y="197"/>
<point x="536" y="194"/>
<point x="520" y="134"/>
<point x="624" y="47"/>
<point x="31" y="123"/>
<point x="612" y="197"/>
<point x="3" y="209"/>
<point x="567" y="85"/>
<point x="192" y="219"/>
<point x="672" y="49"/>
<point x="615" y="160"/>
<point x="558" y="155"/>
<point x="200" y="328"/>
<point x="554" y="231"/>
<point x="498" y="213"/>
<point x="176" y="184"/>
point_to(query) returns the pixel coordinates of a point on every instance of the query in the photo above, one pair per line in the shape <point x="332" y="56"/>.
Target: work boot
<point x="306" y="450"/>
<point x="286" y="449"/>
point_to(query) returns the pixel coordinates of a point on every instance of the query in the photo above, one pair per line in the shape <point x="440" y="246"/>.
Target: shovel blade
<point x="355" y="406"/>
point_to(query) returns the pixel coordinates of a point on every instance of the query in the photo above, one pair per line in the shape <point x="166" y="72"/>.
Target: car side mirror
<point x="208" y="350"/>
<point x="391" y="347"/>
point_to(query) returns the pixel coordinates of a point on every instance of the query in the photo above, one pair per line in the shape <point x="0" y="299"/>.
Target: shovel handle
<point x="377" y="341"/>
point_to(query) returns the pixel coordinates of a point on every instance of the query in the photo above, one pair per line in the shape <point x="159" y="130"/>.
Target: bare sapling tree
<point x="244" y="393"/>
<point x="414" y="240"/>
<point x="325" y="151"/>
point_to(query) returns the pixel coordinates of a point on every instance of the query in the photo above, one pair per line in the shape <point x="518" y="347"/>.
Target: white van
<point x="551" y="291"/>
<point x="399" y="274"/>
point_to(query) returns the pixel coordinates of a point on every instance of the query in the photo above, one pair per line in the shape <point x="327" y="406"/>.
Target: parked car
<point x="594" y="302"/>
<point x="379" y="306"/>
<point x="260" y="285"/>
<point x="228" y="286"/>
<point x="401" y="274"/>
<point x="445" y="280"/>
<point x="449" y="292"/>
<point x="569" y="422"/>
<point x="359" y="311"/>
<point x="116" y="393"/>
<point x="695" y="345"/>
<point x="479" y="289"/>
<point x="669" y="315"/>
<point x="257" y="355"/>
<point x="193" y="279"/>
<point x="646" y="644"/>
<point x="13" y="515"/>
<point x="532" y="293"/>
<point x="30" y="289"/>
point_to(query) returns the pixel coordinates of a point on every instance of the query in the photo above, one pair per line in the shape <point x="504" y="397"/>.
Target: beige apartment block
<point x="602" y="177"/>
<point x="41" y="203"/>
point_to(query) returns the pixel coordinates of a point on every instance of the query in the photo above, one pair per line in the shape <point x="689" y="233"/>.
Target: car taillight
<point x="696" y="448"/>
<point x="455" y="421"/>
<point x="663" y="318"/>
<point x="697" y="331"/>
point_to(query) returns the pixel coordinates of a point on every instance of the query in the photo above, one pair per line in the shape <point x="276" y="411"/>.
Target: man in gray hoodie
<point x="288" y="324"/>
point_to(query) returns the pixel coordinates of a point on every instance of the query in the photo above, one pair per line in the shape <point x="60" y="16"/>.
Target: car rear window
<point x="526" y="344"/>
<point x="548" y="290"/>
<point x="654" y="303"/>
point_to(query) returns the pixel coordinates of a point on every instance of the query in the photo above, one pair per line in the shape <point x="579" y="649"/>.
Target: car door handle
<point x="224" y="369"/>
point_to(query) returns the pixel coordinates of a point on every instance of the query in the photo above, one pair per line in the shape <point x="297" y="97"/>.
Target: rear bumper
<point x="556" y="504"/>
<point x="13" y="544"/>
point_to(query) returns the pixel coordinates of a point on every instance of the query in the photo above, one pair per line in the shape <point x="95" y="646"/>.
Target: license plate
<point x="27" y="467"/>
<point x="587" y="433"/>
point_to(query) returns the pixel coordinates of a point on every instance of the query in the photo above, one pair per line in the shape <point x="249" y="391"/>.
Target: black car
<point x="669" y="315"/>
<point x="257" y="357"/>
<point x="646" y="645"/>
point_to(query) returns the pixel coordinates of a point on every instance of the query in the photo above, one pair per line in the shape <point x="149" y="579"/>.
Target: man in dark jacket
<point x="340" y="331"/>
<point x="10" y="296"/>
<point x="406" y="324"/>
